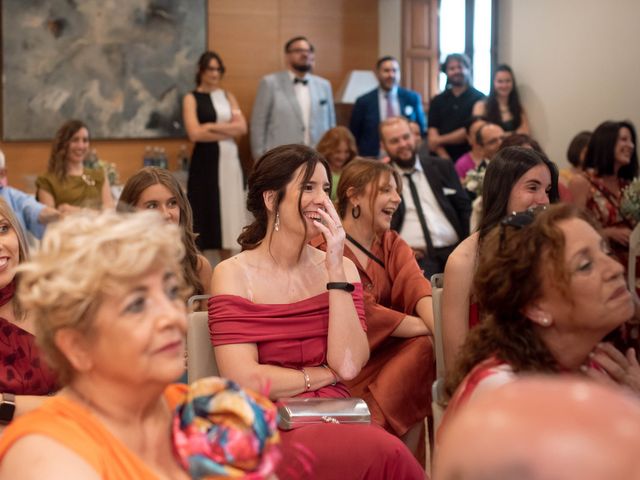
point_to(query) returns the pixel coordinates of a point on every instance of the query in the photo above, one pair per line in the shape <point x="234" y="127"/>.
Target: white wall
<point x="577" y="63"/>
<point x="389" y="25"/>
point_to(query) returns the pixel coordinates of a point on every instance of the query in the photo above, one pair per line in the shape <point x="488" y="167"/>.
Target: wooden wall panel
<point x="420" y="46"/>
<point x="249" y="35"/>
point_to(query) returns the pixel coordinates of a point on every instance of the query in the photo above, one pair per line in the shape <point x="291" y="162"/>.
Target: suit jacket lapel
<point x="286" y="84"/>
<point x="435" y="182"/>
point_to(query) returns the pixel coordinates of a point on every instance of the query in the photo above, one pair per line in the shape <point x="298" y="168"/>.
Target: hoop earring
<point x="355" y="211"/>
<point x="276" y="225"/>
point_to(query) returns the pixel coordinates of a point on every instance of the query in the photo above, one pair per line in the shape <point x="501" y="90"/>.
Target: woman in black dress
<point x="212" y="119"/>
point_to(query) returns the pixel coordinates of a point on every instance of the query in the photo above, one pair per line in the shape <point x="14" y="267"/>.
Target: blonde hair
<point x="85" y="256"/>
<point x="23" y="248"/>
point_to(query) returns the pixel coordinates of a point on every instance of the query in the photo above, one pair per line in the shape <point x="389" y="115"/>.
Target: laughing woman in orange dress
<point x="396" y="381"/>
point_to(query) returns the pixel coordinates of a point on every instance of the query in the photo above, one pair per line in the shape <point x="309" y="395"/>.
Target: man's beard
<point x="405" y="164"/>
<point x="459" y="81"/>
<point x="302" y="68"/>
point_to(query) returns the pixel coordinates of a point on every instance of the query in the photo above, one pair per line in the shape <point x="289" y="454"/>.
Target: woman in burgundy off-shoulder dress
<point x="287" y="318"/>
<point x="23" y="372"/>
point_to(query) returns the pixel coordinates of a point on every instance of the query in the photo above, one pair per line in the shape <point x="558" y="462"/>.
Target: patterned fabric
<point x="221" y="430"/>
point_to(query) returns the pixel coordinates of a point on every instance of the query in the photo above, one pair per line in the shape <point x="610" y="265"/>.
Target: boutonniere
<point x="408" y="110"/>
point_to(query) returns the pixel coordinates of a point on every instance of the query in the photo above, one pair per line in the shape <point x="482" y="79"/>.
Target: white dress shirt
<point x="304" y="100"/>
<point x="440" y="229"/>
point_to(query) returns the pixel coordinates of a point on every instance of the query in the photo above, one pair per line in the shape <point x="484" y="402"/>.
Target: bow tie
<point x="303" y="81"/>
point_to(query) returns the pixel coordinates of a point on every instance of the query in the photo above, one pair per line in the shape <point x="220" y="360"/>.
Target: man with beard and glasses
<point x="433" y="216"/>
<point x="292" y="106"/>
<point x="388" y="100"/>
<point x="450" y="110"/>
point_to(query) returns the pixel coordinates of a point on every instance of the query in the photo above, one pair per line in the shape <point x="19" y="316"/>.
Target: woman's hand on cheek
<point x="334" y="235"/>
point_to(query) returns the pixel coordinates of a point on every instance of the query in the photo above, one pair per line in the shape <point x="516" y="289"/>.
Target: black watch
<point x="347" y="287"/>
<point x="7" y="408"/>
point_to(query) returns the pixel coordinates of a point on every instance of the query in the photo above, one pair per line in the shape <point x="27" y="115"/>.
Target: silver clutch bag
<point x="298" y="412"/>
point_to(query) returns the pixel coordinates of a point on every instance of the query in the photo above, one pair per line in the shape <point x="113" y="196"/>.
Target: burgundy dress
<point x="23" y="370"/>
<point x="295" y="336"/>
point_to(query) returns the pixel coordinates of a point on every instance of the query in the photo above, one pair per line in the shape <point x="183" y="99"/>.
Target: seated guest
<point x="154" y="188"/>
<point x="388" y="100"/>
<point x="575" y="155"/>
<point x="503" y="106"/>
<point x="290" y="317"/>
<point x="24" y="376"/>
<point x="517" y="179"/>
<point x="338" y="146"/>
<point x="67" y="185"/>
<point x="396" y="380"/>
<point x="560" y="428"/>
<point x="433" y="216"/>
<point x="549" y="292"/>
<point x="611" y="162"/>
<point x="107" y="294"/>
<point x="32" y="215"/>
<point x="488" y="138"/>
<point x="474" y="157"/>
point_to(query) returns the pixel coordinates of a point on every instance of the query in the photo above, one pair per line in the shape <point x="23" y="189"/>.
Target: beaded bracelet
<point x="333" y="374"/>
<point x="307" y="380"/>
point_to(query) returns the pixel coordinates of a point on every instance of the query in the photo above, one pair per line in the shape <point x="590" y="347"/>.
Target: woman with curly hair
<point x="503" y="106"/>
<point x="67" y="185"/>
<point x="549" y="292"/>
<point x="155" y="188"/>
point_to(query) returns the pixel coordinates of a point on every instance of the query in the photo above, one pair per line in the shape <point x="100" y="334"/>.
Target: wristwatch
<point x="347" y="287"/>
<point x="7" y="408"/>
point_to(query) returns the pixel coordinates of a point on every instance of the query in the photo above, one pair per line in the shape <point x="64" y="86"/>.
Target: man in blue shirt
<point x="32" y="215"/>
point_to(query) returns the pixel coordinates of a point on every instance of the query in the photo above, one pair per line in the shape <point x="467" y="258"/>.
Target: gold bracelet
<point x="307" y="380"/>
<point x="333" y="374"/>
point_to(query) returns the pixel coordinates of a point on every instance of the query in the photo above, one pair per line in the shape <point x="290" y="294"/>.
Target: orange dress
<point x="72" y="425"/>
<point x="396" y="381"/>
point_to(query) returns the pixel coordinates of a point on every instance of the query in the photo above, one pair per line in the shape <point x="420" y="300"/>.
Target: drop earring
<point x="355" y="211"/>
<point x="276" y="225"/>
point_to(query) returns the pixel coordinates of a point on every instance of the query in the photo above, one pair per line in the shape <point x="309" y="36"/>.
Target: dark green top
<point x="80" y="191"/>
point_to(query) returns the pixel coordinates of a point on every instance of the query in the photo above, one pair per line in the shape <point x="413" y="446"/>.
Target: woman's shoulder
<point x="230" y="276"/>
<point x="464" y="255"/>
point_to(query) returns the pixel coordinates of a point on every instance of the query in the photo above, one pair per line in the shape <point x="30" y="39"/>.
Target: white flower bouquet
<point x="630" y="200"/>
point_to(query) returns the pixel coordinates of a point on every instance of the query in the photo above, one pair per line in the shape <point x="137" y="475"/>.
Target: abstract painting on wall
<point x="121" y="66"/>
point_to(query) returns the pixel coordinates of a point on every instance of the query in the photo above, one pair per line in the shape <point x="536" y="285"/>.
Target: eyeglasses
<point x="519" y="220"/>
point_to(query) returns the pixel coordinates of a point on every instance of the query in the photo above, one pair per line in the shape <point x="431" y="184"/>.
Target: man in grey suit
<point x="292" y="106"/>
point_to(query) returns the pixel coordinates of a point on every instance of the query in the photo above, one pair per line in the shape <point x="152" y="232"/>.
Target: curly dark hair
<point x="510" y="277"/>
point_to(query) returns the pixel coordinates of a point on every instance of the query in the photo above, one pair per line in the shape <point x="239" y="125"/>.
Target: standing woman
<point x="155" y="188"/>
<point x="24" y="376"/>
<point x="503" y="106"/>
<point x="610" y="164"/>
<point x="212" y="119"/>
<point x="67" y="185"/>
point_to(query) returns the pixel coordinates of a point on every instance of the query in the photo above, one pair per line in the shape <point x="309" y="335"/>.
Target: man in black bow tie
<point x="292" y="106"/>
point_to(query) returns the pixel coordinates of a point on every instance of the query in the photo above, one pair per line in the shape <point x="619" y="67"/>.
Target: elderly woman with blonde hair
<point x="107" y="295"/>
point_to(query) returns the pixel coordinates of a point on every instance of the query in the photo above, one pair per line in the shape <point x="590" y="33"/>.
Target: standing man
<point x="386" y="101"/>
<point x="292" y="106"/>
<point x="433" y="216"/>
<point x="450" y="110"/>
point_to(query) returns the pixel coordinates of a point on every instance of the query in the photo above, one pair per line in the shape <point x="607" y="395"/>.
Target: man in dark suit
<point x="388" y="100"/>
<point x="433" y="216"/>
